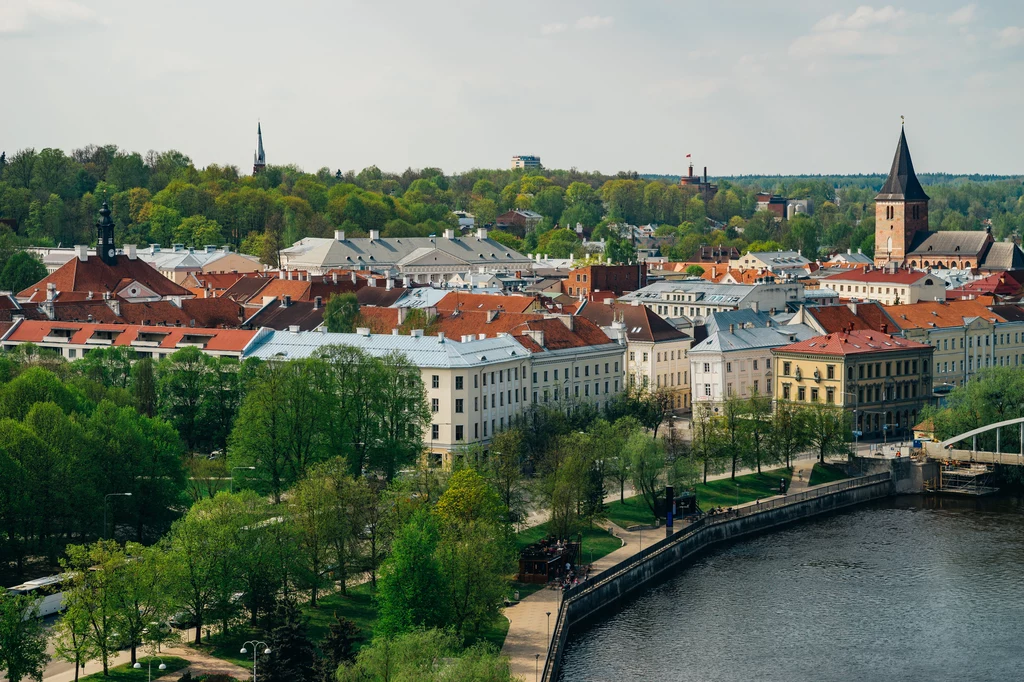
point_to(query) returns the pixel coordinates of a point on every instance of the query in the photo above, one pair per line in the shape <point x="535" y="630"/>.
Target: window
<point x="577" y="372"/>
<point x="484" y="375"/>
<point x="71" y="353"/>
<point x="459" y="403"/>
<point x="768" y="363"/>
<point x="535" y="397"/>
<point x="616" y="366"/>
<point x="435" y="431"/>
<point x="728" y="389"/>
<point x="501" y="399"/>
<point x="728" y="367"/>
<point x="785" y="391"/>
<point x="830" y="372"/>
<point x="459" y="434"/>
<point x="755" y="365"/>
<point x="606" y="368"/>
<point x="492" y="377"/>
<point x="586" y="370"/>
<point x="476" y="381"/>
<point x="707" y="366"/>
<point x="545" y="376"/>
<point x="646" y="355"/>
<point x="458" y="383"/>
<point x="632" y="356"/>
<point x="606" y="387"/>
<point x="485" y="428"/>
<point x="586" y="390"/>
<point x="801" y="394"/>
<point x="814" y="395"/>
<point x="755" y="386"/>
<point x="556" y="375"/>
<point x="658" y="356"/>
<point x="485" y="402"/>
<point x="476" y="403"/>
<point x="435" y="381"/>
<point x="434" y="405"/>
<point x="785" y="368"/>
<point x="501" y="375"/>
<point x="545" y="395"/>
<point x="534" y="377"/>
<point x="476" y="430"/>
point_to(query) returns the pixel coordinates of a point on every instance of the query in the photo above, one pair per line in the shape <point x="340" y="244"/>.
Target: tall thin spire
<point x="902" y="183"/>
<point x="259" y="160"/>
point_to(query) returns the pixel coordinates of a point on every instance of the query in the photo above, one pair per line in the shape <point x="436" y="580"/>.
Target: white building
<point x="683" y="301"/>
<point x="888" y="285"/>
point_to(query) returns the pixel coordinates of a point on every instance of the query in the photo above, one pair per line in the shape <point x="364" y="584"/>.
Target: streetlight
<point x="255" y="650"/>
<point x="231" y="486"/>
<point x="536" y="667"/>
<point x="105" y="497"/>
<point x="549" y="630"/>
<point x="856" y="430"/>
<point x="138" y="666"/>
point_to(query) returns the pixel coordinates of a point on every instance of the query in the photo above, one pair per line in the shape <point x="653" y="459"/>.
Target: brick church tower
<point x="901" y="209"/>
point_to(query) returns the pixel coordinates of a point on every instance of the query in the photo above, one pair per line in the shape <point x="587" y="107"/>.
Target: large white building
<point x="692" y="300"/>
<point x="422" y="259"/>
<point x="735" y="360"/>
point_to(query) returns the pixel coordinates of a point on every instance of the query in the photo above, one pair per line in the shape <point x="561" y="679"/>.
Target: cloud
<point x="19" y="16"/>
<point x="1011" y="36"/>
<point x="551" y="29"/>
<point x="845" y="35"/>
<point x="862" y="17"/>
<point x="591" y="23"/>
<point x="964" y="15"/>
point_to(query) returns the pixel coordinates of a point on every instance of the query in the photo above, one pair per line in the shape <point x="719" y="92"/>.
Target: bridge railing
<point x="612" y="572"/>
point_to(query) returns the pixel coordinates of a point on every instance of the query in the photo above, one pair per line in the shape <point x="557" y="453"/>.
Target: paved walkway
<point x="528" y="621"/>
<point x="200" y="664"/>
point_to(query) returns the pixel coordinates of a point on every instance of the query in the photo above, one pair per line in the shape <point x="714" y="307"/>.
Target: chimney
<point x="481" y="233"/>
<point x="363" y="331"/>
<point x="705" y="175"/>
<point x="405" y="282"/>
<point x="339" y="235"/>
<point x="481" y="337"/>
<point x="286" y="301"/>
<point x="355" y="279"/>
<point x="374" y="235"/>
<point x="178" y="247"/>
<point x="209" y="248"/>
<point x="449" y="233"/>
<point x="491" y="316"/>
<point x="389" y="284"/>
<point x="755" y="306"/>
<point x="51" y="291"/>
<point x="318" y="302"/>
<point x="280" y="274"/>
<point x="885" y="328"/>
<point x="732" y="329"/>
<point x="440" y="337"/>
<point x="82" y="251"/>
<point x="371" y="281"/>
<point x="417" y="333"/>
<point x="402" y="314"/>
<point x="293" y="328"/>
<point x="226" y="248"/>
<point x="115" y="305"/>
<point x="130" y="251"/>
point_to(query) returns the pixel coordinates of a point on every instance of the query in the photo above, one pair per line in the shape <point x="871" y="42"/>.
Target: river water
<point x="908" y="589"/>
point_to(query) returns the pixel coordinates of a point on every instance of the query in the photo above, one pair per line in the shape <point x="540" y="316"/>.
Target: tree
<point x="618" y="463"/>
<point x="91" y="587"/>
<point x="505" y="470"/>
<point x="789" y="432"/>
<point x="758" y="412"/>
<point x="338" y="648"/>
<point x="21" y="271"/>
<point x="647" y="467"/>
<point x="183" y="379"/>
<point x="72" y="642"/>
<point x="828" y="429"/>
<point x="707" y="437"/>
<point x="695" y="271"/>
<point x="291" y="651"/>
<point x="312" y="515"/>
<point x="22" y="639"/>
<point x="400" y="404"/>
<point x="341" y="313"/>
<point x="140" y="597"/>
<point x="412" y="587"/>
<point x="735" y="434"/>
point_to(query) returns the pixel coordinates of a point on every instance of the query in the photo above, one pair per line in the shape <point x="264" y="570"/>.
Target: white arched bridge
<point x="952" y="448"/>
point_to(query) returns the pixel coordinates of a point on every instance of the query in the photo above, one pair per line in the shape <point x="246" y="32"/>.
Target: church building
<point x="902" y="236"/>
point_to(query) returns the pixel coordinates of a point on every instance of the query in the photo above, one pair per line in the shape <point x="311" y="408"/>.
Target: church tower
<point x="901" y="209"/>
<point x="259" y="159"/>
<point x="105" y="237"/>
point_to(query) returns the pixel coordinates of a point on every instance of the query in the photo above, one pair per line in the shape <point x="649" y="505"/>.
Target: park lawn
<point x="597" y="541"/>
<point x="493" y="634"/>
<point x="358" y="606"/>
<point x="125" y="673"/>
<point x="826" y="473"/>
<point x="721" y="493"/>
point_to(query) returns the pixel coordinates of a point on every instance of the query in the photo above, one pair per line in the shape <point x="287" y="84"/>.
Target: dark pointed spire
<point x="902" y="183"/>
<point x="261" y="158"/>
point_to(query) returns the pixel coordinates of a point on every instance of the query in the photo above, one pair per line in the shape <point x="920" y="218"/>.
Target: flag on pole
<point x="687" y="156"/>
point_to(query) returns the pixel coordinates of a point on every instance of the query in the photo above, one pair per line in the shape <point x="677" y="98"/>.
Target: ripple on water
<point x="908" y="589"/>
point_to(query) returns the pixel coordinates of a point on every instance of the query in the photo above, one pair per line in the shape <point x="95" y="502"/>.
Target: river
<point x="906" y="589"/>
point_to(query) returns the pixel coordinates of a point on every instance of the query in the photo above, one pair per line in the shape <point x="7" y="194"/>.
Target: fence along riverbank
<point x="620" y="581"/>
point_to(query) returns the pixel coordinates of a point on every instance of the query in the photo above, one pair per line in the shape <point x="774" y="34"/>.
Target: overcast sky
<point x="745" y="86"/>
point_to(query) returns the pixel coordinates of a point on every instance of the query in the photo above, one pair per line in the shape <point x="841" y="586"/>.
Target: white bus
<point x="46" y="591"/>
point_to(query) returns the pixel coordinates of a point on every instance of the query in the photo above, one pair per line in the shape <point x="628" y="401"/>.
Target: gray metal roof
<point x="902" y="183"/>
<point x="421" y="297"/>
<point x="739" y="318"/>
<point x="751" y="338"/>
<point x="710" y="292"/>
<point x="422" y="351"/>
<point x="361" y="252"/>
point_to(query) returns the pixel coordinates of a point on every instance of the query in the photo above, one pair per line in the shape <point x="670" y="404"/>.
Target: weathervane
<point x="902" y="120"/>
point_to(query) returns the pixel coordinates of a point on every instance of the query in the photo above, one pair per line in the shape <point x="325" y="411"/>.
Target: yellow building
<point x="883" y="380"/>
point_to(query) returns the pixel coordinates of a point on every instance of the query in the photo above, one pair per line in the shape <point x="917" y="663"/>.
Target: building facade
<point x="888" y="286"/>
<point x="882" y="380"/>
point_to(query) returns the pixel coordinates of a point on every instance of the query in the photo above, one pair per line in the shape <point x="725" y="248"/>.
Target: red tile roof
<point x="997" y="284"/>
<point x="379" y="320"/>
<point x="474" y="322"/>
<point x="876" y="276"/>
<point x="228" y="340"/>
<point x="96" y="276"/>
<point x="642" y="323"/>
<point x="927" y="314"/>
<point x="558" y="336"/>
<point x="835" y="318"/>
<point x="466" y="302"/>
<point x="851" y="343"/>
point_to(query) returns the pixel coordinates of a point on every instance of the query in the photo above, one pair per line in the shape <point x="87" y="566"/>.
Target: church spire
<point x="902" y="183"/>
<point x="105" y="237"/>
<point x="259" y="160"/>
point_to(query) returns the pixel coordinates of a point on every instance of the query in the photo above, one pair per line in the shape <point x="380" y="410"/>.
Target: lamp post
<point x="856" y="431"/>
<point x="549" y="630"/>
<point x="105" y="498"/>
<point x="536" y="667"/>
<point x="162" y="666"/>
<point x="231" y="486"/>
<point x="255" y="650"/>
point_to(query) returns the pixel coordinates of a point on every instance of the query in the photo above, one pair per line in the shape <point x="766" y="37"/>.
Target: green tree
<point x="828" y="429"/>
<point x="21" y="271"/>
<point x="342" y="313"/>
<point x="647" y="467"/>
<point x="91" y="586"/>
<point x="789" y="433"/>
<point x="72" y="642"/>
<point x="291" y="654"/>
<point x="412" y="586"/>
<point x="22" y="639"/>
<point x="695" y="271"/>
<point x="183" y="380"/>
<point x="758" y="412"/>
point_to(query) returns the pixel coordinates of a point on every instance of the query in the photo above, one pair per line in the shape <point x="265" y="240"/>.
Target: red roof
<point x="879" y="276"/>
<point x="474" y="322"/>
<point x="836" y="318"/>
<point x="96" y="276"/>
<point x="379" y="320"/>
<point x="466" y="302"/>
<point x="229" y="340"/>
<point x="558" y="336"/>
<point x="851" y="343"/>
<point x="997" y="284"/>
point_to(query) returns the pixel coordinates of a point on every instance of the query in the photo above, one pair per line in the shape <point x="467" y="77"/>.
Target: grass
<point x="826" y="473"/>
<point x="494" y="634"/>
<point x="721" y="493"/>
<point x="125" y="673"/>
<point x="357" y="606"/>
<point x="597" y="542"/>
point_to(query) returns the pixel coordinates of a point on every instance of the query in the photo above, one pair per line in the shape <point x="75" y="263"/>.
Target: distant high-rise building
<point x="259" y="159"/>
<point x="525" y="161"/>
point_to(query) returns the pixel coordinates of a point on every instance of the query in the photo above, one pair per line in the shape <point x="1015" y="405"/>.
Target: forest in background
<point x="50" y="197"/>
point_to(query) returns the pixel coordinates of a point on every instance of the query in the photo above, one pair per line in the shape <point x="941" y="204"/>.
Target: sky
<point x="744" y="86"/>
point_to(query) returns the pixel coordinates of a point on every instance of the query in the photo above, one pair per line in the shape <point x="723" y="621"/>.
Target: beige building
<point x="884" y="381"/>
<point x="888" y="286"/>
<point x="966" y="335"/>
<point x="655" y="353"/>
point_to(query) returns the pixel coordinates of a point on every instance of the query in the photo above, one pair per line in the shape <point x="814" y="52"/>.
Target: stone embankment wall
<point x="620" y="582"/>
